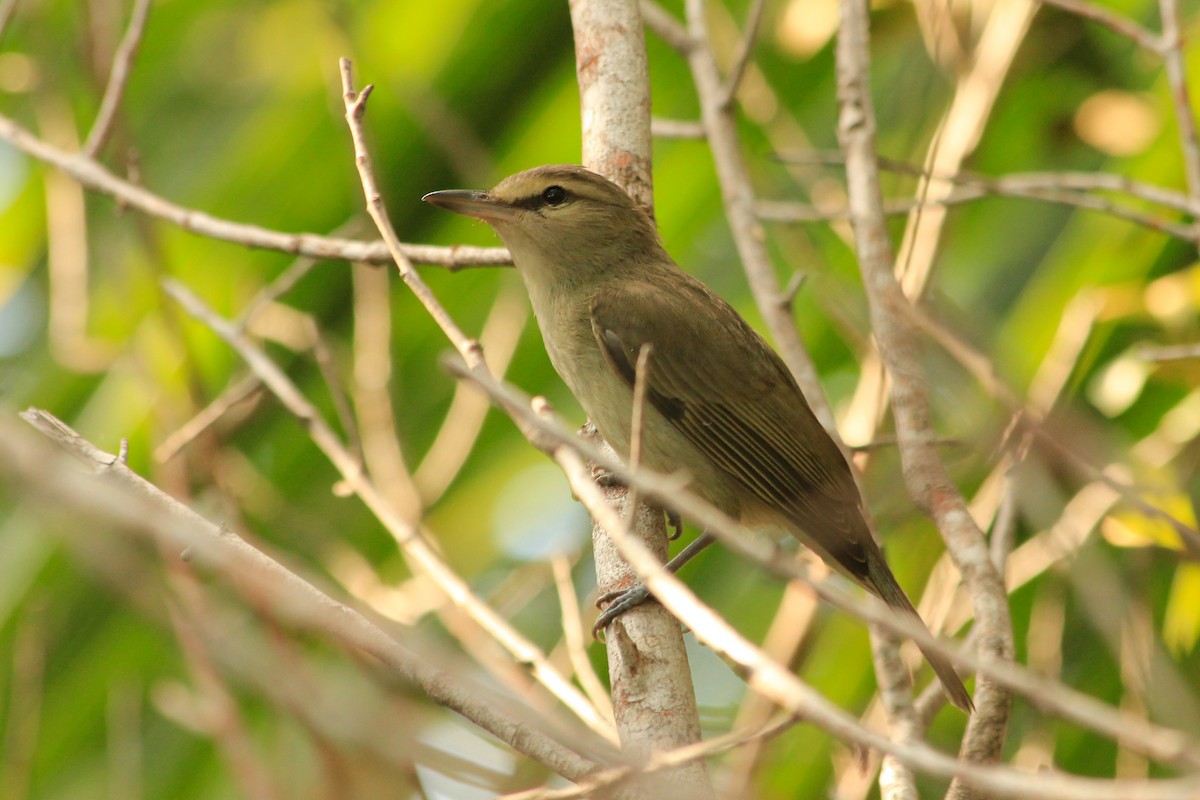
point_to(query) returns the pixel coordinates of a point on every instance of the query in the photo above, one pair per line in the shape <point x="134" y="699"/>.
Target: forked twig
<point x="114" y="90"/>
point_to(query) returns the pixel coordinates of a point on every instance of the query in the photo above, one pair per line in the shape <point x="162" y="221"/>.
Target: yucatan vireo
<point x="720" y="404"/>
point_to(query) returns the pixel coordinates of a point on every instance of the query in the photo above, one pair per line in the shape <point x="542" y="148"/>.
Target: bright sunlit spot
<point x="1117" y="123"/>
<point x="806" y="25"/>
<point x="1117" y="388"/>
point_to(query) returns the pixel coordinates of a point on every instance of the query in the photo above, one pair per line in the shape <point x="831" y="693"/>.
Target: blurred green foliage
<point x="234" y="109"/>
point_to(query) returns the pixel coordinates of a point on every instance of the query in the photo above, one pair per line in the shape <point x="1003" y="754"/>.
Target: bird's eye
<point x="554" y="196"/>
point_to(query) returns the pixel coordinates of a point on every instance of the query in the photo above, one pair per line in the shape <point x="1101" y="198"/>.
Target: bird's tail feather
<point x="885" y="585"/>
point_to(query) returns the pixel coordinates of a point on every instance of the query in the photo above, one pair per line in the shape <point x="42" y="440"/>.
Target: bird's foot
<point x="675" y="523"/>
<point x="617" y="603"/>
<point x="605" y="479"/>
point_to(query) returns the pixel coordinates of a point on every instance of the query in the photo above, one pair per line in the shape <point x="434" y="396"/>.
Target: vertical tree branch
<point x="924" y="473"/>
<point x="614" y="94"/>
<point x="653" y="697"/>
<point x="896" y="779"/>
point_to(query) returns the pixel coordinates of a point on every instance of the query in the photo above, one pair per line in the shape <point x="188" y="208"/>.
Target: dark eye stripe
<point x="551" y="196"/>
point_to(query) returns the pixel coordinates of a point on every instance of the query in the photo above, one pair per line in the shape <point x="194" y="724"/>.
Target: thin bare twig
<point x="244" y="388"/>
<point x="414" y="546"/>
<point x="118" y="78"/>
<point x="379" y="442"/>
<point x="387" y="727"/>
<point x="464" y="419"/>
<point x="659" y="761"/>
<point x="331" y="375"/>
<point x="676" y="128"/>
<point x="133" y="504"/>
<point x="1053" y="181"/>
<point x="222" y="718"/>
<point x="1120" y="25"/>
<point x="95" y="176"/>
<point x="356" y="107"/>
<point x="639" y="412"/>
<point x="233" y="394"/>
<point x="924" y="473"/>
<point x="519" y="586"/>
<point x="1004" y="526"/>
<point x="574" y="639"/>
<point x="1189" y="537"/>
<point x="733" y="80"/>
<point x="283" y="283"/>
<point x="545" y="433"/>
<point x="786" y="690"/>
<point x="791" y="627"/>
<point x="666" y="27"/>
<point x="976" y="90"/>
<point x="1185" y="114"/>
<point x="1032" y="417"/>
<point x="787" y="211"/>
<point x="738" y="196"/>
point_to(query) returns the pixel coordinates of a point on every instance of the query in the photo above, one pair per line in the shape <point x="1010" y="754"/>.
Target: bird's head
<point x="561" y="219"/>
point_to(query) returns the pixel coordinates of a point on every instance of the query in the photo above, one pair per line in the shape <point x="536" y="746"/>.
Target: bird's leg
<point x="618" y="602"/>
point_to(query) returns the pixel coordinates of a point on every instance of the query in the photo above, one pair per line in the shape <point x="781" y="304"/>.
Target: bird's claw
<point x="618" y="602"/>
<point x="604" y="478"/>
<point x="675" y="522"/>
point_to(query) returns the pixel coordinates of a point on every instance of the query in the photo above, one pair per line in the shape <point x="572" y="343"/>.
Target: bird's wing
<point x="729" y="394"/>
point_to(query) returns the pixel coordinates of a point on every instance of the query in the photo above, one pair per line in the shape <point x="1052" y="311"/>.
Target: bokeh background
<point x="234" y="108"/>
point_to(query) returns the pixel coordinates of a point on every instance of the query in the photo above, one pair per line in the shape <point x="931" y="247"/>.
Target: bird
<point x="720" y="404"/>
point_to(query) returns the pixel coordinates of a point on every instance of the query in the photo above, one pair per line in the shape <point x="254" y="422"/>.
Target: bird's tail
<point x="885" y="585"/>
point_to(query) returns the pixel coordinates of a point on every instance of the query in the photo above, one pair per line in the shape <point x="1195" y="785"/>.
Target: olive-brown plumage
<point x="721" y="404"/>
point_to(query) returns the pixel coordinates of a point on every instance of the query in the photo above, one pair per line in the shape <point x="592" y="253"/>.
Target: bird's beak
<point x="479" y="205"/>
